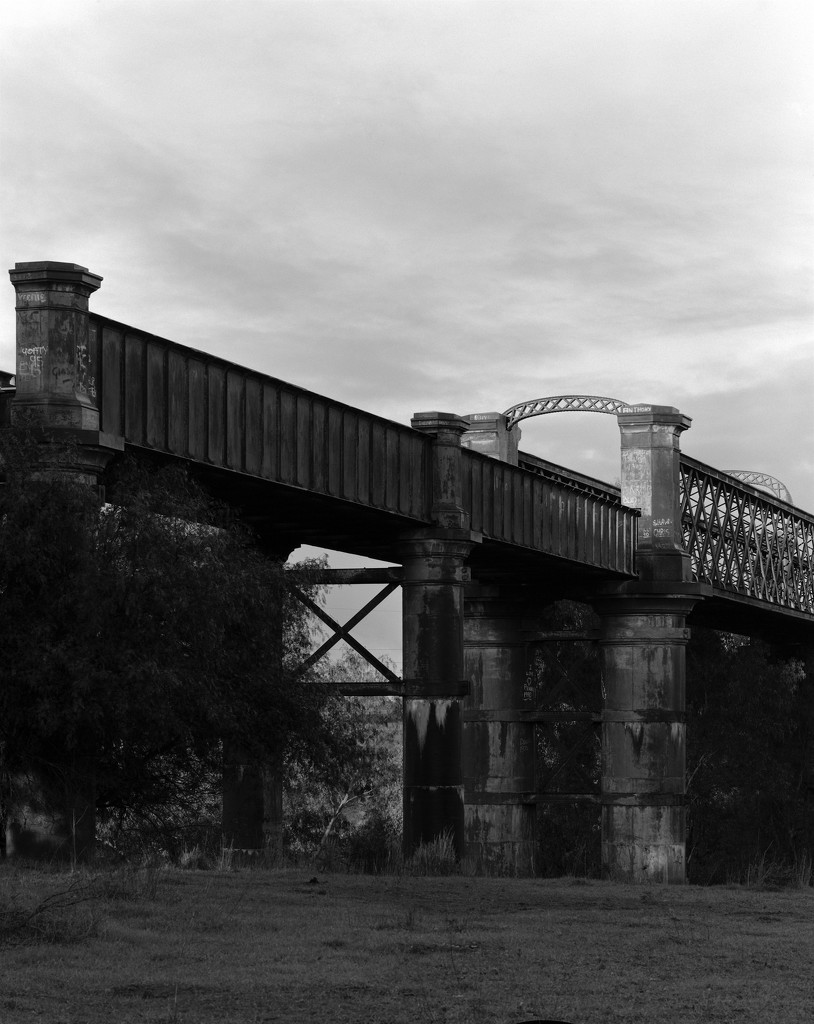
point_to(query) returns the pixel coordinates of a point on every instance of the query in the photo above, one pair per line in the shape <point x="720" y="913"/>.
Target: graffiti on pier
<point x="30" y="361"/>
<point x="85" y="380"/>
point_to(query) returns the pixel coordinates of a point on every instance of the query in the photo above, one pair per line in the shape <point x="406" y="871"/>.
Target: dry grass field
<point x="259" y="946"/>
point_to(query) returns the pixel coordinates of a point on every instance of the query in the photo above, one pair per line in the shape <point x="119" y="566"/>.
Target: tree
<point x="351" y="782"/>
<point x="138" y="639"/>
<point x="750" y="726"/>
<point x="564" y="676"/>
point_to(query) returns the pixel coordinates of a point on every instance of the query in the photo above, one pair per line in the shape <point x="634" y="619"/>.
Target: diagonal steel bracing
<point x="746" y="542"/>
<point x="340" y="577"/>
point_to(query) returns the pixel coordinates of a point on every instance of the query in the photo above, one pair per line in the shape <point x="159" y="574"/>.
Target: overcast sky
<point x="446" y="205"/>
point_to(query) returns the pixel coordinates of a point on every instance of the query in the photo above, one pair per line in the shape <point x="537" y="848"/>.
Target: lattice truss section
<point x="745" y="542"/>
<point x="564" y="403"/>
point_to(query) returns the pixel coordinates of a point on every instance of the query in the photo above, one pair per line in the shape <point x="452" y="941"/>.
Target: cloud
<point x="456" y="206"/>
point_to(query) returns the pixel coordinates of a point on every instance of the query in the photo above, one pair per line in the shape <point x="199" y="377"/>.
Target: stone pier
<point x="433" y="650"/>
<point x="643" y="636"/>
<point x="53" y="811"/>
<point x="500" y="817"/>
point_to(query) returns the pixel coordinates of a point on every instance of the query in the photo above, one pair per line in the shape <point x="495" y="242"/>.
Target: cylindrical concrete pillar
<point x="252" y="805"/>
<point x="434" y="681"/>
<point x="432" y="645"/>
<point x="642" y="648"/>
<point x="498" y="747"/>
<point x="242" y="802"/>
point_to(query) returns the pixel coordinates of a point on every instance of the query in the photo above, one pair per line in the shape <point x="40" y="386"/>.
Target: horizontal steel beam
<point x="344" y="577"/>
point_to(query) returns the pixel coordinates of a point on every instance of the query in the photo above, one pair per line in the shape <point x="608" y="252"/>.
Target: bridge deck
<point x="314" y="470"/>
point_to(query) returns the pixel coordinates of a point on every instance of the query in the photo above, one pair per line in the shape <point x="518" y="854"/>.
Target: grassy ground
<point x="252" y="946"/>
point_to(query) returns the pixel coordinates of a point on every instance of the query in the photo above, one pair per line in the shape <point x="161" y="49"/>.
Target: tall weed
<point x="765" y="873"/>
<point x="436" y="857"/>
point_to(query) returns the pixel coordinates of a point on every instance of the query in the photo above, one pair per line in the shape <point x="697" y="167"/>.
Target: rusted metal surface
<point x="169" y="398"/>
<point x="172" y="399"/>
<point x="569" y="478"/>
<point x="516" y="506"/>
<point x="744" y="542"/>
<point x="343" y="632"/>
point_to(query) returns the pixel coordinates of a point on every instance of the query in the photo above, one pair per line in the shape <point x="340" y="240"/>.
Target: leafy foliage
<point x="564" y="678"/>
<point x="750" y="754"/>
<point x="749" y="734"/>
<point x="346" y="792"/>
<point x="141" y="638"/>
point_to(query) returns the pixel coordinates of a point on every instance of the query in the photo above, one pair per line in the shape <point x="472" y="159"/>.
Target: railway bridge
<point x="481" y="537"/>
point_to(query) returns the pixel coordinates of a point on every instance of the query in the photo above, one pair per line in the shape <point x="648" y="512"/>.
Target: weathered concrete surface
<point x="433" y="783"/>
<point x="650" y="482"/>
<point x="498" y="755"/>
<point x="57" y="367"/>
<point x="642" y="650"/>
<point x="643" y="637"/>
<point x="489" y="434"/>
<point x="432" y="616"/>
<point x="432" y="646"/>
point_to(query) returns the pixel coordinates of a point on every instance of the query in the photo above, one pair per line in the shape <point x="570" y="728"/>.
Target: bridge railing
<point x="164" y="396"/>
<point x="569" y="477"/>
<point x="538" y="507"/>
<point x="744" y="541"/>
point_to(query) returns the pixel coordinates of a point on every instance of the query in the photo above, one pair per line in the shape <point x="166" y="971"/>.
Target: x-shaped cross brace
<point x="343" y="632"/>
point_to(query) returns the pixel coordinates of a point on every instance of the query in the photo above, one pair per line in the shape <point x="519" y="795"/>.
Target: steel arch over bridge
<point x="564" y="403"/>
<point x="764" y="481"/>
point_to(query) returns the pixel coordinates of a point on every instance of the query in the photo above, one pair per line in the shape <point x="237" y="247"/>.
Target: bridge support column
<point x="53" y="812"/>
<point x="500" y="829"/>
<point x="252" y="805"/>
<point x="252" y="792"/>
<point x="432" y="642"/>
<point x="642" y="650"/>
<point x="643" y="636"/>
<point x="435" y="683"/>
